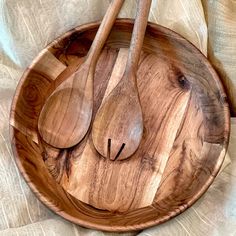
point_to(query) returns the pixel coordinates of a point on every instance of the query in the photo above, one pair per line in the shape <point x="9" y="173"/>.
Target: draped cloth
<point x="26" y="27"/>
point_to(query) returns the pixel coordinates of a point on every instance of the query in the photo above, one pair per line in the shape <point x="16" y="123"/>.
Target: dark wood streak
<point x="118" y="196"/>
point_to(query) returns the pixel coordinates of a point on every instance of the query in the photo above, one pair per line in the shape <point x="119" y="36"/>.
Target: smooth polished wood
<point x="66" y="115"/>
<point x="118" y="125"/>
<point x="186" y="128"/>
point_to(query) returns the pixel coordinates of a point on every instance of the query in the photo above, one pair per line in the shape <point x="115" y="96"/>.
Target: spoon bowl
<point x="66" y="115"/>
<point x="64" y="128"/>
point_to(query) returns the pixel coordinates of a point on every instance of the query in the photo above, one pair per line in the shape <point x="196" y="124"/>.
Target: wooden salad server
<point x="118" y="127"/>
<point x="65" y="118"/>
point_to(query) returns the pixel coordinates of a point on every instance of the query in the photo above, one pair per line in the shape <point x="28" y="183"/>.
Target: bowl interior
<point x="186" y="120"/>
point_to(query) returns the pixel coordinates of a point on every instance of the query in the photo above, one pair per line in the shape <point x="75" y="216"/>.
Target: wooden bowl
<point x="186" y="119"/>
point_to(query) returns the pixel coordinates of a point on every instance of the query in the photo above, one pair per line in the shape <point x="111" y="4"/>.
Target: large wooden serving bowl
<point x="186" y="120"/>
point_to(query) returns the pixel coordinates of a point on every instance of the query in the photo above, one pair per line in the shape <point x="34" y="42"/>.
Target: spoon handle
<point x="138" y="34"/>
<point x="104" y="31"/>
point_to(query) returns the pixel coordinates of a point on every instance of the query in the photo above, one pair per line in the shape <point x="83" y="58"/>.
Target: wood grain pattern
<point x="157" y="153"/>
<point x="118" y="126"/>
<point x="186" y="120"/>
<point x="35" y="91"/>
<point x="66" y="115"/>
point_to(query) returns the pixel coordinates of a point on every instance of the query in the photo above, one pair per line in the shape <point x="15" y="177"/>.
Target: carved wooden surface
<point x="117" y="129"/>
<point x="186" y="127"/>
<point x="66" y="115"/>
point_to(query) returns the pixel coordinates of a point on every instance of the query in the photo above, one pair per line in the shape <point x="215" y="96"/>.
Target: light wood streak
<point x="48" y="65"/>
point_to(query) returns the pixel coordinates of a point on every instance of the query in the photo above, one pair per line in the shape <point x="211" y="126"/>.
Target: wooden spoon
<point x="118" y="126"/>
<point x="66" y="115"/>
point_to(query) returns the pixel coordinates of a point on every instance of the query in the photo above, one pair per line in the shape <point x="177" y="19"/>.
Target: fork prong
<point x="119" y="152"/>
<point x="113" y="154"/>
<point x="109" y="148"/>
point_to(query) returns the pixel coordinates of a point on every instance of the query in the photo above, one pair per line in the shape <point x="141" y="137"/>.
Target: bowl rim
<point x="136" y="226"/>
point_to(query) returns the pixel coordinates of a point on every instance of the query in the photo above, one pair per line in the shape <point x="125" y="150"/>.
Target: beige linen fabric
<point x="221" y="18"/>
<point x="27" y="26"/>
